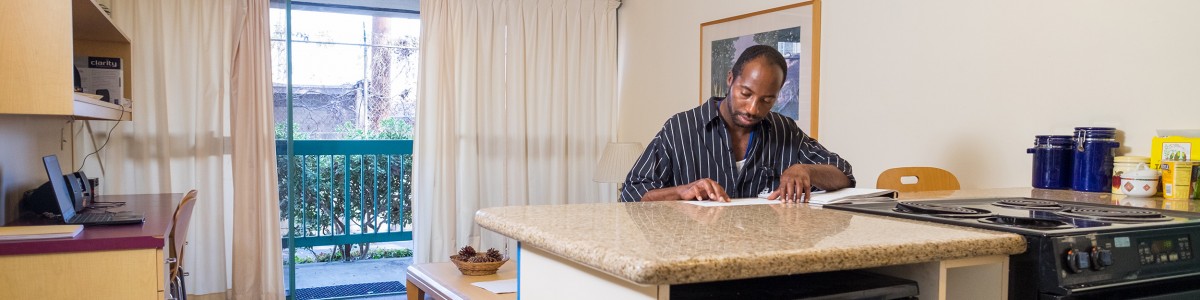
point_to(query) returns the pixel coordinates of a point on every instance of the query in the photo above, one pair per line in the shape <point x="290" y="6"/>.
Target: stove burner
<point x="1028" y="204"/>
<point x="1114" y="214"/>
<point x="1028" y="223"/>
<point x="940" y="210"/>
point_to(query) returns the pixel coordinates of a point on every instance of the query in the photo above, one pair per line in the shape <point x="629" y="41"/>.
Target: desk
<point x="102" y="262"/>
<point x="443" y="281"/>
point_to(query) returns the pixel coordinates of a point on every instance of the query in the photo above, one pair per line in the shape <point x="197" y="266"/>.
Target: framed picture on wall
<point x="792" y="29"/>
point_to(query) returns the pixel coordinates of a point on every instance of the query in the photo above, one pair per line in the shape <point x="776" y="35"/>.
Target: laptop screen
<point x="54" y="171"/>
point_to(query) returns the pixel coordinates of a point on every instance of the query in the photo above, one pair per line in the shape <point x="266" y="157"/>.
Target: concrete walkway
<point x="341" y="273"/>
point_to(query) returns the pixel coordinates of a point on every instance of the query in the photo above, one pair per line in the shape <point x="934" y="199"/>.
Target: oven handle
<point x="1084" y="289"/>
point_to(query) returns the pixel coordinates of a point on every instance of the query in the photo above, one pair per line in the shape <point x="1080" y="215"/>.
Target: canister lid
<point x="1053" y="140"/>
<point x="1132" y="159"/>
<point x="1095" y="132"/>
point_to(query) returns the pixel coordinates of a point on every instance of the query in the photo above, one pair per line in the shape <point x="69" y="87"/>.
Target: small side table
<point x="443" y="281"/>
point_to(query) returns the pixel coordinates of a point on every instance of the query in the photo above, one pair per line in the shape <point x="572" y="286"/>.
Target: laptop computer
<point x="67" y="207"/>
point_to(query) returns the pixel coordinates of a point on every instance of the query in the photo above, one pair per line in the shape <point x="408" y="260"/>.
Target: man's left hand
<point x="795" y="185"/>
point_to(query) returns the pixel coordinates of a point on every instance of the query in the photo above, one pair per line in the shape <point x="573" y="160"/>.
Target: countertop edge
<point x="687" y="270"/>
<point x="568" y="250"/>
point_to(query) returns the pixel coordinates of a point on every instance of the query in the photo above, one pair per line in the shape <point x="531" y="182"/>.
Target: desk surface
<point x="159" y="209"/>
<point x="438" y="279"/>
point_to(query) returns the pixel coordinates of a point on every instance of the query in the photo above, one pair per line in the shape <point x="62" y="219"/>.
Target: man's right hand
<point x="702" y="189"/>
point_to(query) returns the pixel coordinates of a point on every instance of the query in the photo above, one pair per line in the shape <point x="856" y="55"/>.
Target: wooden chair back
<point x="179" y="229"/>
<point x="927" y="179"/>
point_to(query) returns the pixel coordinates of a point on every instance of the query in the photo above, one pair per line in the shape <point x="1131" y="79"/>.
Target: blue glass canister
<point x="1052" y="161"/>
<point x="1094" y="147"/>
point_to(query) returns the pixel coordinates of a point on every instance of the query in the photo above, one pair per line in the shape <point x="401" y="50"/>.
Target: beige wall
<point x="23" y="142"/>
<point x="962" y="85"/>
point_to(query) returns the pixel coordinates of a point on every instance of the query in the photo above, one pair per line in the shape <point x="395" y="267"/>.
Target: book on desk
<point x="12" y="233"/>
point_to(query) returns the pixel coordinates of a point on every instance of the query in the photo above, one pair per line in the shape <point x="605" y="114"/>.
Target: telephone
<point x="80" y="189"/>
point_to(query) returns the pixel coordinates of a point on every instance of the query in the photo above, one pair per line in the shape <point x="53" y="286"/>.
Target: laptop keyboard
<point x="92" y="218"/>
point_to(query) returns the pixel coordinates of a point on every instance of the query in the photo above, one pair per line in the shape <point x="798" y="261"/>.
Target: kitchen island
<point x="639" y="250"/>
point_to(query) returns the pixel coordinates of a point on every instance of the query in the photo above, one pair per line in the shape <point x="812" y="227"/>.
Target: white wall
<point x="962" y="85"/>
<point x="23" y="142"/>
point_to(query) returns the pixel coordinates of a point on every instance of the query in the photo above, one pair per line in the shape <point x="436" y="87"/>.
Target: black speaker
<point x="78" y="81"/>
<point x="40" y="200"/>
<point x="104" y="95"/>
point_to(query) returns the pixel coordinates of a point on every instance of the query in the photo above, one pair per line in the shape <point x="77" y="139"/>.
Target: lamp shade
<point x="617" y="160"/>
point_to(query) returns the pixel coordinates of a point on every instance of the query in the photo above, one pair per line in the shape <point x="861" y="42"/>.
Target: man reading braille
<point x="735" y="147"/>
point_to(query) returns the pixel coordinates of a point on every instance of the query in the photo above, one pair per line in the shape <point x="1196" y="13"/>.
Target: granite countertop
<point x="677" y="243"/>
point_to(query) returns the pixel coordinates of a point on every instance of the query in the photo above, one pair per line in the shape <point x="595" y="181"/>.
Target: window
<point x="354" y="71"/>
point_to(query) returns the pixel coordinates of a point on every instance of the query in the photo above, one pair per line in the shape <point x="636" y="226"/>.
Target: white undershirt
<point x="739" y="164"/>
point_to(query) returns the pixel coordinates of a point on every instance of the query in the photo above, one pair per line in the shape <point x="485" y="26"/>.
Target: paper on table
<point x="503" y="286"/>
<point x="734" y="202"/>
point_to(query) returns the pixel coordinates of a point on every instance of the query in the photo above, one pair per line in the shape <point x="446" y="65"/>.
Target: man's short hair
<point x="773" y="57"/>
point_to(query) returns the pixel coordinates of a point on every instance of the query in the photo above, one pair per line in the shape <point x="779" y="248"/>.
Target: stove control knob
<point x="1094" y="253"/>
<point x="1083" y="260"/>
<point x="1072" y="261"/>
<point x="1101" y="258"/>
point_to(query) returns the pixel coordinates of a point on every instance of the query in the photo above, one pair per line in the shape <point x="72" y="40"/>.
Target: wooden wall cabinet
<point x="39" y="40"/>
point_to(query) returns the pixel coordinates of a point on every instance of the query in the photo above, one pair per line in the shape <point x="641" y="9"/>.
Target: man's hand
<point x="702" y="189"/>
<point x="795" y="185"/>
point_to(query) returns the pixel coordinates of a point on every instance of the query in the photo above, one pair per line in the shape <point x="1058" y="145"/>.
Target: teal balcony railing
<point x="347" y="191"/>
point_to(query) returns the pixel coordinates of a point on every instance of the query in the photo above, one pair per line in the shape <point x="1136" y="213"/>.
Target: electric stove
<point x="1076" y="250"/>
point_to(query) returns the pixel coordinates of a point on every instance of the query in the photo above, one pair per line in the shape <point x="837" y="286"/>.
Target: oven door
<point x="1184" y="287"/>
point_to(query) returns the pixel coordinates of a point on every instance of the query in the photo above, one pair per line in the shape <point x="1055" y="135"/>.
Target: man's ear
<point x="729" y="82"/>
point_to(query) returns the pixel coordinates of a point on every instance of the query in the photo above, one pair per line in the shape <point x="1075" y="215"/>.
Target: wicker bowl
<point x="477" y="269"/>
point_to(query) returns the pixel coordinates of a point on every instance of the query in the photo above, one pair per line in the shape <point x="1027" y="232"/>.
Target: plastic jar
<point x="1094" y="147"/>
<point x="1122" y="164"/>
<point x="1052" y="160"/>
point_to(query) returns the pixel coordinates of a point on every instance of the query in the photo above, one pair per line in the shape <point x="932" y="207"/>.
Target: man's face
<point x="753" y="93"/>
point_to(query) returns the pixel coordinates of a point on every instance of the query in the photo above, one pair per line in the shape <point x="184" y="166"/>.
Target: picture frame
<point x="794" y="30"/>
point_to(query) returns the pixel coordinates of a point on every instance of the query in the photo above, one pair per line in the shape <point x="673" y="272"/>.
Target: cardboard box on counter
<point x="1174" y="145"/>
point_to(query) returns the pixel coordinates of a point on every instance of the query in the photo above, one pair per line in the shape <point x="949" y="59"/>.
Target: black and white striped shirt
<point x="695" y="144"/>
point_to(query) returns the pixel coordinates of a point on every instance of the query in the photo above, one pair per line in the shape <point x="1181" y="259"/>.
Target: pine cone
<point x="466" y="253"/>
<point x="494" y="254"/>
<point x="481" y="259"/>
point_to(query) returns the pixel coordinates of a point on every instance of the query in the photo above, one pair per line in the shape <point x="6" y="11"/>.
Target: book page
<point x="734" y="202"/>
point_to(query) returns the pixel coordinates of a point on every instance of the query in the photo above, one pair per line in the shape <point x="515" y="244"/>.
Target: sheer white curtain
<point x="257" y="264"/>
<point x="517" y="101"/>
<point x="180" y="136"/>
